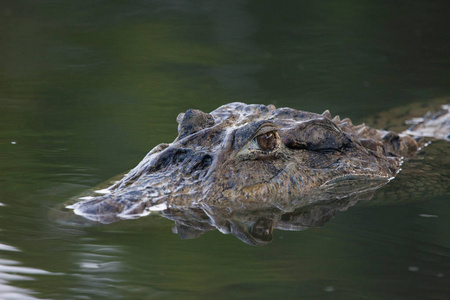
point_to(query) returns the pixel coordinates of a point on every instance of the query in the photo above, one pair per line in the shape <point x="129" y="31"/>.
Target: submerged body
<point x="257" y="157"/>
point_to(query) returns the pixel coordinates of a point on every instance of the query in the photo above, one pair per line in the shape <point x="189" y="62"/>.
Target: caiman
<point x="258" y="158"/>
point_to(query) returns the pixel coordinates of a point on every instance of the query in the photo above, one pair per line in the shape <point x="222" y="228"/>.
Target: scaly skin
<point x="254" y="157"/>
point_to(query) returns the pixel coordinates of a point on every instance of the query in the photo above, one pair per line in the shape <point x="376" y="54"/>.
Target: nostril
<point x="185" y="159"/>
<point x="206" y="161"/>
<point x="202" y="162"/>
<point x="170" y="157"/>
<point x="179" y="156"/>
<point x="161" y="163"/>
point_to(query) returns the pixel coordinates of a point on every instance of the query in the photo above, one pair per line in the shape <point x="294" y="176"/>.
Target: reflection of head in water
<point x="255" y="227"/>
<point x="257" y="233"/>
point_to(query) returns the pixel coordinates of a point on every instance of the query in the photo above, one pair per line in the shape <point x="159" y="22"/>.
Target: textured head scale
<point x="253" y="156"/>
<point x="192" y="121"/>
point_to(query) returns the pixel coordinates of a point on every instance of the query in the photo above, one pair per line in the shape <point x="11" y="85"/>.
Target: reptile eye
<point x="263" y="145"/>
<point x="267" y="141"/>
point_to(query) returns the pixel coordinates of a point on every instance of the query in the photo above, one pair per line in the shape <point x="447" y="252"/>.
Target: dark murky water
<point x="88" y="87"/>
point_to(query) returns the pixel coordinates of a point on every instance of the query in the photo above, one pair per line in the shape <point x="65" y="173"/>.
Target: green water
<point x="87" y="88"/>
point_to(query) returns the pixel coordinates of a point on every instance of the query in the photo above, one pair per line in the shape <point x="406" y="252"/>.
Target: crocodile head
<point x="252" y="156"/>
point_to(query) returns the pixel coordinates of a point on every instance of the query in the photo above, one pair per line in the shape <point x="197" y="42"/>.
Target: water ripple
<point x="10" y="271"/>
